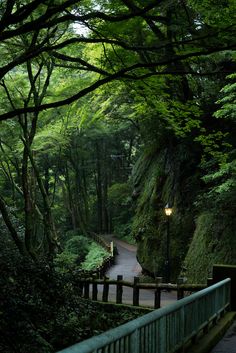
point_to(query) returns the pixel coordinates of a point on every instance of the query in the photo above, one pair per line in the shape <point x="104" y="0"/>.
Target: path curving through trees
<point x="126" y="264"/>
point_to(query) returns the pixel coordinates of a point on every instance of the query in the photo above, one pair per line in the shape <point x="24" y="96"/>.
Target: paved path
<point x="126" y="262"/>
<point x="228" y="342"/>
<point x="127" y="265"/>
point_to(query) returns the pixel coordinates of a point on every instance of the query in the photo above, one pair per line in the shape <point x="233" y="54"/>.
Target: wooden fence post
<point x="157" y="295"/>
<point x="80" y="289"/>
<point x="95" y="291"/>
<point x="136" y="292"/>
<point x="105" y="290"/>
<point x="180" y="291"/>
<point x="210" y="282"/>
<point x="86" y="290"/>
<point x="119" y="290"/>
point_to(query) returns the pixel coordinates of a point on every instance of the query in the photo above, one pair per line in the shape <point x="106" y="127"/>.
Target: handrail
<point x="100" y="240"/>
<point x="163" y="330"/>
<point x="89" y="289"/>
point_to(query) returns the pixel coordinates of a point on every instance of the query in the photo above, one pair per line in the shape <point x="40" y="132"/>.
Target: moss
<point x="160" y="179"/>
<point x="213" y="242"/>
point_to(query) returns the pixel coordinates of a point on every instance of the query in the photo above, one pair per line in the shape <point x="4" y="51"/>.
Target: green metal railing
<point x="164" y="330"/>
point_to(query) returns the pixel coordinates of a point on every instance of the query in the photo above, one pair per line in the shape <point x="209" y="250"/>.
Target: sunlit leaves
<point x="216" y="13"/>
<point x="228" y="101"/>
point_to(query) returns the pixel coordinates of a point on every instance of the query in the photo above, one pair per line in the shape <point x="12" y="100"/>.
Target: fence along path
<point x="127" y="288"/>
<point x="165" y="330"/>
<point x="123" y="285"/>
<point x="156" y="291"/>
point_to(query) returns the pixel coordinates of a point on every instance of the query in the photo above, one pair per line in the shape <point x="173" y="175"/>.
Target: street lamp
<point x="168" y="212"/>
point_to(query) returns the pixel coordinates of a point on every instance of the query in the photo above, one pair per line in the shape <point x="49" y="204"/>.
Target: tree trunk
<point x="11" y="228"/>
<point x="98" y="181"/>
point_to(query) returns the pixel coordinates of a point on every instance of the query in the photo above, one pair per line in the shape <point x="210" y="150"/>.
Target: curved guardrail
<point x="164" y="330"/>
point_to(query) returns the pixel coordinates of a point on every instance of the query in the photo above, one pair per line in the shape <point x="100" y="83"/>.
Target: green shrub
<point x="120" y="201"/>
<point x="65" y="262"/>
<point x="95" y="257"/>
<point x="80" y="253"/>
<point x="124" y="232"/>
<point x="76" y="249"/>
<point x="78" y="245"/>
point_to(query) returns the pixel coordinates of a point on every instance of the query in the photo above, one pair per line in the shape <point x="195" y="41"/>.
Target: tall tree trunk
<point x="98" y="181"/>
<point x="19" y="243"/>
<point x="69" y="197"/>
<point x="105" y="189"/>
<point x="79" y="207"/>
<point x="28" y="201"/>
<point x="50" y="230"/>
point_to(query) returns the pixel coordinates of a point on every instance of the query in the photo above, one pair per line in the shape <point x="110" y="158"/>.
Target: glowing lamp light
<point x="168" y="210"/>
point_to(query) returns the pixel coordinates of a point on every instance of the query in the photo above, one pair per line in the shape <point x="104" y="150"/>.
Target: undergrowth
<point x="94" y="257"/>
<point x="80" y="253"/>
<point x="41" y="309"/>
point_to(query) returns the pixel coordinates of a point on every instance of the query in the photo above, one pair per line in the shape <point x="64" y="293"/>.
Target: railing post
<point x="80" y="288"/>
<point x="157" y="294"/>
<point x="94" y="291"/>
<point x="180" y="291"/>
<point x="112" y="248"/>
<point x="209" y="282"/>
<point x="119" y="290"/>
<point x="86" y="290"/>
<point x="136" y="292"/>
<point x="134" y="341"/>
<point x="105" y="290"/>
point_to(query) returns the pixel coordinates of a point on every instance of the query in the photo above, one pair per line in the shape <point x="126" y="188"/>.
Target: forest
<point x="109" y="110"/>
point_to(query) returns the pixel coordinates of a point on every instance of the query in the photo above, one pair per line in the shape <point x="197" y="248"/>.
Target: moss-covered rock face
<point x="161" y="177"/>
<point x="213" y="242"/>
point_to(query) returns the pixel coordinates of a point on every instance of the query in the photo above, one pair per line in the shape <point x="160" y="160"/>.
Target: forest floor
<point x="126" y="264"/>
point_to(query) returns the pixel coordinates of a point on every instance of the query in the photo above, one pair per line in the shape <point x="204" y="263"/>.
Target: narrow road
<point x="126" y="262"/>
<point x="127" y="265"/>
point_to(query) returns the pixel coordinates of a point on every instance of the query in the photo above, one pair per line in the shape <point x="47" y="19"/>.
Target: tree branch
<point x="119" y="75"/>
<point x="10" y="226"/>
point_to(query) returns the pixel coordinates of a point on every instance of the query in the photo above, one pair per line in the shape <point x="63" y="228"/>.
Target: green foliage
<point x="221" y="179"/>
<point x="120" y="202"/>
<point x="228" y="101"/>
<point x="80" y="253"/>
<point x="94" y="257"/>
<point x="43" y="310"/>
<point x="65" y="262"/>
<point x="77" y="244"/>
<point x="221" y="193"/>
<point x="124" y="231"/>
<point x="214" y="238"/>
<point x="156" y="183"/>
<point x="213" y="242"/>
<point x="214" y="146"/>
<point x="75" y="250"/>
<point x="119" y="194"/>
<point x="216" y="13"/>
<point x="85" y="152"/>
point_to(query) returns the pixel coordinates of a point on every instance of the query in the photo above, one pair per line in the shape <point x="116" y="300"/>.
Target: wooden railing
<point x="89" y="289"/>
<point x="100" y="240"/>
<point x="166" y="330"/>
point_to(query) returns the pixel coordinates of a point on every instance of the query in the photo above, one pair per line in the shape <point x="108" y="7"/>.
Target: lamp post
<point x="168" y="212"/>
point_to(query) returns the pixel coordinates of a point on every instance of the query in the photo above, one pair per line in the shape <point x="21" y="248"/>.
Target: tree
<point x="152" y="48"/>
<point x="35" y="85"/>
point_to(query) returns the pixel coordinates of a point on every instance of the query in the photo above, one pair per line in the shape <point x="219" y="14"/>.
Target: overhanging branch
<point x="121" y="74"/>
